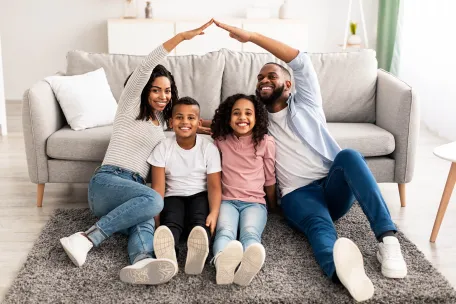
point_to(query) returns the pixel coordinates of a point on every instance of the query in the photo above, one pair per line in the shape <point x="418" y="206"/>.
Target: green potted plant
<point x="354" y="39"/>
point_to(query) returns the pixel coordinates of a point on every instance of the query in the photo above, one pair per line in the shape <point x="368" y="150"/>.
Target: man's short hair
<point x="185" y="101"/>
<point x="285" y="71"/>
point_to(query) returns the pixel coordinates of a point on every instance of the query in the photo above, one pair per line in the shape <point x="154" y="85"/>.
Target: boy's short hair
<point x="185" y="101"/>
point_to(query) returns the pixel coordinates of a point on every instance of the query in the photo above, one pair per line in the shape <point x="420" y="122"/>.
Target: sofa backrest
<point x="347" y="80"/>
<point x="199" y="77"/>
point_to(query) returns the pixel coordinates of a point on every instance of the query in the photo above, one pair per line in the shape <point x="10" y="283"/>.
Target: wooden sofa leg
<point x="402" y="194"/>
<point x="39" y="195"/>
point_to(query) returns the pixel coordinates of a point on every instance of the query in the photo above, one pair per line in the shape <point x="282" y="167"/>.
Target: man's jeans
<point x="251" y="218"/>
<point x="313" y="208"/>
<point x="124" y="204"/>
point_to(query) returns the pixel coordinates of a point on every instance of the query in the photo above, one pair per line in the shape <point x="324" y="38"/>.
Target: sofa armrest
<point x="397" y="111"/>
<point x="41" y="117"/>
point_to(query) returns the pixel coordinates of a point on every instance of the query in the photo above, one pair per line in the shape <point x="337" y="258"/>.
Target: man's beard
<point x="267" y="101"/>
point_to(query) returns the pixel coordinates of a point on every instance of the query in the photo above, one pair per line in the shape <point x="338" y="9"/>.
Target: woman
<point x="117" y="191"/>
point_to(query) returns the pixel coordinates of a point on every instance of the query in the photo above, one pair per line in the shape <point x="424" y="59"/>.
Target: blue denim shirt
<point x="305" y="110"/>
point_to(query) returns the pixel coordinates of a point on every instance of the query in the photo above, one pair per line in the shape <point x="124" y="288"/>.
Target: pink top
<point x="243" y="174"/>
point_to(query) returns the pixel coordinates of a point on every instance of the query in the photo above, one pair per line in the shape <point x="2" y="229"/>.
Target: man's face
<point x="185" y="120"/>
<point x="271" y="84"/>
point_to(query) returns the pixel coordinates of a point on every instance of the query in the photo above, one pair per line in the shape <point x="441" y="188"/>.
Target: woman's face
<point x="160" y="93"/>
<point x="242" y="117"/>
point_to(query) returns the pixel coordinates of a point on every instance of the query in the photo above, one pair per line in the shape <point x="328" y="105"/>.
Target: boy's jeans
<point x="313" y="208"/>
<point x="250" y="217"/>
<point x="125" y="204"/>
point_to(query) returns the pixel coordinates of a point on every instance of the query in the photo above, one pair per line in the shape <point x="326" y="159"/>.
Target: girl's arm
<point x="129" y="100"/>
<point x="158" y="184"/>
<point x="269" y="172"/>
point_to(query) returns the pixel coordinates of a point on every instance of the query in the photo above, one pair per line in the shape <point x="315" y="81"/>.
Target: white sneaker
<point x="76" y="247"/>
<point x="390" y="256"/>
<point x="350" y="270"/>
<point x="226" y="262"/>
<point x="164" y="244"/>
<point x="198" y="249"/>
<point x="251" y="263"/>
<point x="149" y="272"/>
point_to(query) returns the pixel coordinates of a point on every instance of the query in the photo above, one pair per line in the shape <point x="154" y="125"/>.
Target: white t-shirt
<point x="297" y="165"/>
<point x="186" y="170"/>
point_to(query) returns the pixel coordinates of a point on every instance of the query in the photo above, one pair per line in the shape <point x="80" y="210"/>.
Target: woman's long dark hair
<point x="145" y="111"/>
<point x="220" y="126"/>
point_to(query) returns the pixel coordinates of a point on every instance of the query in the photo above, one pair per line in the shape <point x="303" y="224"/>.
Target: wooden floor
<point x="21" y="222"/>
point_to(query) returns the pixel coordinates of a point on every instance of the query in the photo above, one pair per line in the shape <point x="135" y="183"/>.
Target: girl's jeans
<point x="250" y="217"/>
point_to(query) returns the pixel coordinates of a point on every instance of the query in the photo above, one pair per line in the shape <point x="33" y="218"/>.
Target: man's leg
<point x="305" y="209"/>
<point x="196" y="212"/>
<point x="349" y="178"/>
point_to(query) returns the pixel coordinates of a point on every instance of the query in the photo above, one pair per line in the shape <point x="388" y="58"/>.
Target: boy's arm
<point x="214" y="193"/>
<point x="158" y="184"/>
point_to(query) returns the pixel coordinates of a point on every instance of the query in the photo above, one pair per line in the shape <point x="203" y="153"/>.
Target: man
<point x="318" y="181"/>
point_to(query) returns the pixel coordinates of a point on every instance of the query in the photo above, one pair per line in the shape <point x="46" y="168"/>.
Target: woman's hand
<point x="188" y="35"/>
<point x="235" y="32"/>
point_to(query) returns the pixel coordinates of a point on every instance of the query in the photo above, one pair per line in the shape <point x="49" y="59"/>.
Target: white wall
<point x="36" y="35"/>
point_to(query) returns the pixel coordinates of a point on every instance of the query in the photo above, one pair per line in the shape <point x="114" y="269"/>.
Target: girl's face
<point x="242" y="117"/>
<point x="160" y="93"/>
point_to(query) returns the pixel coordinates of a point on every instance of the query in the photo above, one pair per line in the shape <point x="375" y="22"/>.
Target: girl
<point x="240" y="127"/>
<point x="117" y="191"/>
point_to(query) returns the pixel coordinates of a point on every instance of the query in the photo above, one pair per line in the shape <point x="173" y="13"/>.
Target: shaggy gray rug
<point x="290" y="274"/>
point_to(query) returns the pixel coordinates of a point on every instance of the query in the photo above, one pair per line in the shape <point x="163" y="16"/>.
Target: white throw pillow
<point x="86" y="100"/>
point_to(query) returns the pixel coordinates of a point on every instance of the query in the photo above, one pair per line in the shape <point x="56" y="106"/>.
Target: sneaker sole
<point x="164" y="244"/>
<point x="392" y="273"/>
<point x="251" y="264"/>
<point x="66" y="247"/>
<point x="154" y="273"/>
<point x="350" y="270"/>
<point x="229" y="260"/>
<point x="198" y="249"/>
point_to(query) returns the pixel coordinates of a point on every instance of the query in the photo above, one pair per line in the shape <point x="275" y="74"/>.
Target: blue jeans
<point x="251" y="218"/>
<point x="124" y="204"/>
<point x="313" y="208"/>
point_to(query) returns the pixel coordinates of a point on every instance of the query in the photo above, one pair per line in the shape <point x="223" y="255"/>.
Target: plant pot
<point x="354" y="39"/>
<point x="285" y="10"/>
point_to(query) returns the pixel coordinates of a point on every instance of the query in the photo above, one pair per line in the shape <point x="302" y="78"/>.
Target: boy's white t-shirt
<point x="186" y="170"/>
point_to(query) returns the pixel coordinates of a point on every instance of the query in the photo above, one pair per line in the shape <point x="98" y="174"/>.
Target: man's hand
<point x="188" y="35"/>
<point x="211" y="222"/>
<point x="235" y="32"/>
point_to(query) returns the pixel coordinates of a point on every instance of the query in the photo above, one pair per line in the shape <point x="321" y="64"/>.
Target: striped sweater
<point x="133" y="140"/>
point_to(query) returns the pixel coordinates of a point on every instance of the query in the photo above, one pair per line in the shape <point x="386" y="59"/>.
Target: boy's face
<point x="185" y="120"/>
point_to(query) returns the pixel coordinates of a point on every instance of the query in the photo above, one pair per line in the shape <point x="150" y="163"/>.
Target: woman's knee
<point x="154" y="204"/>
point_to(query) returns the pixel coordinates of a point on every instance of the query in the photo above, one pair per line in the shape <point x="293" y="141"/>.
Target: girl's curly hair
<point x="145" y="109"/>
<point x="220" y="126"/>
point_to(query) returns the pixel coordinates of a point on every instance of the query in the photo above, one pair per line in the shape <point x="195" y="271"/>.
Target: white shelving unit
<point x="2" y="97"/>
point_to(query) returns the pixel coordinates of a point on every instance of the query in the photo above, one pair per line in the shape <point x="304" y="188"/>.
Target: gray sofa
<point x="367" y="109"/>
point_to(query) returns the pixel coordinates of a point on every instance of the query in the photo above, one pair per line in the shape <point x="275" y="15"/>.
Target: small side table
<point x="447" y="152"/>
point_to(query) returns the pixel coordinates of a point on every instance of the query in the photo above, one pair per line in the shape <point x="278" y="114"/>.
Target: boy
<point x="186" y="172"/>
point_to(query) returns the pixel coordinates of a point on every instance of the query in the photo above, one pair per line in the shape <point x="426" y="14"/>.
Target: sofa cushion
<point x="347" y="81"/>
<point x="368" y="139"/>
<point x="199" y="77"/>
<point x="91" y="144"/>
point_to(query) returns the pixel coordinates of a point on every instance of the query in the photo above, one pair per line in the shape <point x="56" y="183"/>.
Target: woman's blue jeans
<point x="123" y="202"/>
